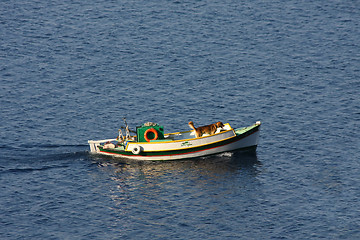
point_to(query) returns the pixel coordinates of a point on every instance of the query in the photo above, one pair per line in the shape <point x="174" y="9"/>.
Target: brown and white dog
<point x="208" y="129"/>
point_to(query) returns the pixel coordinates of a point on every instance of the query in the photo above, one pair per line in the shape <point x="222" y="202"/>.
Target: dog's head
<point x="220" y="125"/>
<point x="191" y="123"/>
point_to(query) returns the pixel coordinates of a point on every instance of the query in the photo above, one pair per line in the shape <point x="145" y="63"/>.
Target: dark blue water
<point x="71" y="70"/>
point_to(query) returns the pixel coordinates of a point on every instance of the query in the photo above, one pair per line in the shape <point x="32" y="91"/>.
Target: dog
<point x="208" y="129"/>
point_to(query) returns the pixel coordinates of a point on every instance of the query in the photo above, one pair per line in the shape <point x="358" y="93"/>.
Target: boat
<point x="151" y="143"/>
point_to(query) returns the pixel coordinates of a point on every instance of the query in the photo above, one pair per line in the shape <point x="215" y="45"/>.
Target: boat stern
<point x="93" y="146"/>
<point x="95" y="143"/>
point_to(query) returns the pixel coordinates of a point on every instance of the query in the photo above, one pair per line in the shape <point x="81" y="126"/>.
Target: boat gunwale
<point x="196" y="138"/>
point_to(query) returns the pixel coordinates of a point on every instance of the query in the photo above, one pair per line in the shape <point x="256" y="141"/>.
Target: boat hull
<point x="226" y="141"/>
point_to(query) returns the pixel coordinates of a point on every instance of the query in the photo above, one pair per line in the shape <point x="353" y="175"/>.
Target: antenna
<point x="120" y="137"/>
<point x="127" y="129"/>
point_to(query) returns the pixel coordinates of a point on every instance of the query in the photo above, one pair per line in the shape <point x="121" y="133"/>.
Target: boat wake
<point x="46" y="146"/>
<point x="34" y="158"/>
<point x="45" y="152"/>
<point x="31" y="169"/>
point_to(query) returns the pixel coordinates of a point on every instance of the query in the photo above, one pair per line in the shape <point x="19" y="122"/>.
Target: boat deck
<point x="189" y="134"/>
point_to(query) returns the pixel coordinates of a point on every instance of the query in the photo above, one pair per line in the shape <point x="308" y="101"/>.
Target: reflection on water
<point x="156" y="194"/>
<point x="218" y="166"/>
<point x="226" y="167"/>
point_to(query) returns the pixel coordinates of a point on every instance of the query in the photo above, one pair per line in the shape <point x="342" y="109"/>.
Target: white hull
<point x="226" y="141"/>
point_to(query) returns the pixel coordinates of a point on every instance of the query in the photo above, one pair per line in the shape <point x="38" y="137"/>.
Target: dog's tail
<point x="191" y="125"/>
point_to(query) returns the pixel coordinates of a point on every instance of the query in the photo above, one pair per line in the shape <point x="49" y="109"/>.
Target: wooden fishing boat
<point x="150" y="143"/>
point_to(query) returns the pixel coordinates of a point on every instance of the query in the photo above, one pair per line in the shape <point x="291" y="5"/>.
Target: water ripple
<point x="71" y="70"/>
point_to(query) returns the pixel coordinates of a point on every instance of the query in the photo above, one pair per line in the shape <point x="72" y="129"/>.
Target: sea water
<point x="71" y="70"/>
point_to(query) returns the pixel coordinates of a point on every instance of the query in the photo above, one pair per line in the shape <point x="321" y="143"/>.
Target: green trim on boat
<point x="240" y="131"/>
